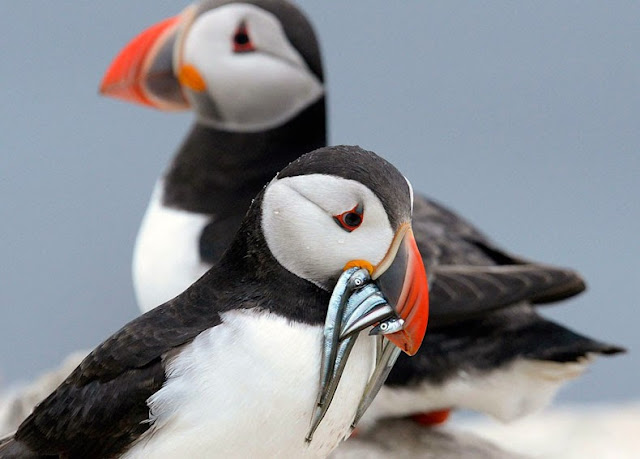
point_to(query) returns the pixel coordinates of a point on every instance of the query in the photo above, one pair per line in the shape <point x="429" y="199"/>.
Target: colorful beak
<point x="143" y="71"/>
<point x="402" y="279"/>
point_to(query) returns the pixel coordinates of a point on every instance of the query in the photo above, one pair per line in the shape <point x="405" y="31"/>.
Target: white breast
<point x="166" y="257"/>
<point x="506" y="393"/>
<point x="247" y="389"/>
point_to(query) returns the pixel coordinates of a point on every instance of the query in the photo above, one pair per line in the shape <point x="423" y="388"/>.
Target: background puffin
<point x="221" y="57"/>
<point x="210" y="50"/>
<point x="252" y="72"/>
<point x="231" y="366"/>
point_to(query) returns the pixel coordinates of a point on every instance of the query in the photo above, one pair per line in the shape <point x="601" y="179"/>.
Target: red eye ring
<point x="241" y="40"/>
<point x="351" y="219"/>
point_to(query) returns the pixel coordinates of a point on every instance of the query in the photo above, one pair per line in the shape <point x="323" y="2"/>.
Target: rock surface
<point x="400" y="438"/>
<point x="570" y="432"/>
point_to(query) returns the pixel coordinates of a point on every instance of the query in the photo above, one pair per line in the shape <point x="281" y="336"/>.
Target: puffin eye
<point x="241" y="40"/>
<point x="351" y="219"/>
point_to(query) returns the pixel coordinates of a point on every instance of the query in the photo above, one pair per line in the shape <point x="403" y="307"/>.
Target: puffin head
<point x="242" y="66"/>
<point x="342" y="207"/>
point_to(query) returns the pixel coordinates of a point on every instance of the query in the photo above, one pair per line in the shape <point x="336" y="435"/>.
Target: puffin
<point x="251" y="71"/>
<point x="231" y="366"/>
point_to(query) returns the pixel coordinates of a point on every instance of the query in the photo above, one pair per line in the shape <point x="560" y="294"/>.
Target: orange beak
<point x="402" y="279"/>
<point x="142" y="73"/>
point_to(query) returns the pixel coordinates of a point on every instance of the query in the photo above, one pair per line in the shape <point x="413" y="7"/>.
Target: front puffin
<point x="333" y="213"/>
<point x="327" y="218"/>
<point x="268" y="354"/>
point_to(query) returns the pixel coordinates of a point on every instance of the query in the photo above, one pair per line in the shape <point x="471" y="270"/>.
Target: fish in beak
<point x="393" y="295"/>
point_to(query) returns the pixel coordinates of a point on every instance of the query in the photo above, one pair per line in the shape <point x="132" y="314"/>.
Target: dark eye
<point x="350" y="219"/>
<point x="241" y="40"/>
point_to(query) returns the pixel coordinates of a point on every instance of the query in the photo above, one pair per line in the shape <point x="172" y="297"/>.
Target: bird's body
<point x="224" y="162"/>
<point x="231" y="366"/>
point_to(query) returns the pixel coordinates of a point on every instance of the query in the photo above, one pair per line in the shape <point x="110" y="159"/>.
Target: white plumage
<point x="259" y="375"/>
<point x="166" y="258"/>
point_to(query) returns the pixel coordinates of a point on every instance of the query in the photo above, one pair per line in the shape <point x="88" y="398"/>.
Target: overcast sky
<point x="522" y="116"/>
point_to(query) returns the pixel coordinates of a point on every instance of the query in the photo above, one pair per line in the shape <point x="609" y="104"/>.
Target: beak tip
<point x="103" y="89"/>
<point x="125" y="77"/>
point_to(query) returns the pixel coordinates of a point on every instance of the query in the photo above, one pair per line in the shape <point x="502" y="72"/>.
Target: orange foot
<point x="432" y="418"/>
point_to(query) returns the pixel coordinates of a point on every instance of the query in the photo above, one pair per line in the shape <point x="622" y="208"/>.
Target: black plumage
<point x="470" y="276"/>
<point x="219" y="172"/>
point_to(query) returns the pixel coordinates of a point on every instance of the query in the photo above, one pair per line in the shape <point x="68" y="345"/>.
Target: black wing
<point x="468" y="291"/>
<point x="217" y="236"/>
<point x="470" y="276"/>
<point x="490" y="342"/>
<point x="101" y="407"/>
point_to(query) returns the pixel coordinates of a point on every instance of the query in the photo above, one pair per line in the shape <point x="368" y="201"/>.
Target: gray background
<point x="523" y="116"/>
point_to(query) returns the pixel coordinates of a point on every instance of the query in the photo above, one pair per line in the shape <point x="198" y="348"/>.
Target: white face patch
<point x="252" y="90"/>
<point x="298" y="225"/>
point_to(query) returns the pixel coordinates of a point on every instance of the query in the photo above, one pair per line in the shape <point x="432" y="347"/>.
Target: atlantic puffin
<point x="231" y="366"/>
<point x="252" y="73"/>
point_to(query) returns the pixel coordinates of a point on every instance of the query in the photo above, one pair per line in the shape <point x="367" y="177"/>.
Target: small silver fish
<point x="387" y="327"/>
<point x="355" y="304"/>
<point x="387" y="354"/>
